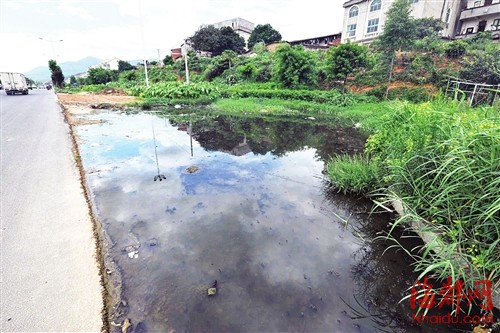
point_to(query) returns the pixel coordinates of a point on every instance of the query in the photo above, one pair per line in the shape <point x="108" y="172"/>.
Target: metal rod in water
<point x="158" y="177"/>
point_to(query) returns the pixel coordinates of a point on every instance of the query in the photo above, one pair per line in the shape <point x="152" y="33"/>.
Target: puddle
<point x="243" y="202"/>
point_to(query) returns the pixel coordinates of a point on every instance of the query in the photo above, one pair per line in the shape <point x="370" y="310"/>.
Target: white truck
<point x="14" y="83"/>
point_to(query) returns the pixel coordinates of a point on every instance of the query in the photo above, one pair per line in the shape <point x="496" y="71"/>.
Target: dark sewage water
<point x="191" y="202"/>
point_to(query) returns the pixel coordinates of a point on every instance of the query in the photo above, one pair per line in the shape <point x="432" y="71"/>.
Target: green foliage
<point x="353" y="174"/>
<point x="411" y="94"/>
<point x="168" y="60"/>
<point x="428" y="27"/>
<point x="430" y="44"/>
<point x="294" y="66"/>
<point x="331" y="97"/>
<point x="176" y="90"/>
<point x="160" y="74"/>
<point x="128" y="76"/>
<point x="216" y="41"/>
<point x="434" y="157"/>
<point x="399" y="29"/>
<point x="101" y="75"/>
<point x="72" y="80"/>
<point x="221" y="63"/>
<point x="345" y="59"/>
<point x="124" y="66"/>
<point x="263" y="33"/>
<point x="56" y="74"/>
<point x="483" y="66"/>
<point x="455" y="49"/>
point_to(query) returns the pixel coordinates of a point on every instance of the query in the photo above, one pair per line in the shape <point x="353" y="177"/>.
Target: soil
<point x="80" y="104"/>
<point x="88" y="99"/>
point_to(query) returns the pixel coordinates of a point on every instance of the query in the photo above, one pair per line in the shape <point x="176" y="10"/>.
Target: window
<point x="469" y="31"/>
<point x="372" y="26"/>
<point x="477" y="3"/>
<point x="353" y="11"/>
<point x="376" y="5"/>
<point x="351" y="30"/>
<point x="496" y="24"/>
<point x="448" y="15"/>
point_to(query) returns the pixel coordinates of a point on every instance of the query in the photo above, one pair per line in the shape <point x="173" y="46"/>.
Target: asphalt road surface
<point x="49" y="274"/>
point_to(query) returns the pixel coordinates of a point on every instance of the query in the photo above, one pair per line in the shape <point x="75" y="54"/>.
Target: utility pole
<point x="186" y="61"/>
<point x="159" y="58"/>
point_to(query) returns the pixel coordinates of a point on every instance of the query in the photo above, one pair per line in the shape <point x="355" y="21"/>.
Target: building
<point x="108" y="64"/>
<point x="242" y="27"/>
<point x="364" y="19"/>
<point x="478" y="16"/>
<point x="318" y="43"/>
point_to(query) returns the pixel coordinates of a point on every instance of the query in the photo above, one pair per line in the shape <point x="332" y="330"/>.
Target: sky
<point x="34" y="31"/>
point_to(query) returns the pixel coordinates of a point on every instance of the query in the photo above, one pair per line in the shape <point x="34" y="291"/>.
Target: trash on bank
<point x="212" y="291"/>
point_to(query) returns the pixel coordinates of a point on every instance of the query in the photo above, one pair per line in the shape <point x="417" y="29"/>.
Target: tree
<point x="72" y="80"/>
<point x="427" y="27"/>
<point x="399" y="32"/>
<point x="168" y="60"/>
<point x="230" y="40"/>
<point x="101" y="75"/>
<point x="56" y="74"/>
<point x="294" y="66"/>
<point x="124" y="66"/>
<point x="263" y="34"/>
<point x="216" y="41"/>
<point x="345" y="59"/>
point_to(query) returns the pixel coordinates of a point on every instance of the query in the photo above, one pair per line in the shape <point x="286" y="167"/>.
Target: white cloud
<point x="73" y="8"/>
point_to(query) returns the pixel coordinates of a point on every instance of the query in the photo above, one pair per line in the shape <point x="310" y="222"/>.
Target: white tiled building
<point x="364" y="19"/>
<point x="242" y="27"/>
<point x="480" y="15"/>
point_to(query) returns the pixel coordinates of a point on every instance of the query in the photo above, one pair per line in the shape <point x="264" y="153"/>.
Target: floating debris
<point x="126" y="325"/>
<point x="212" y="291"/>
<point x="192" y="169"/>
<point x="133" y="254"/>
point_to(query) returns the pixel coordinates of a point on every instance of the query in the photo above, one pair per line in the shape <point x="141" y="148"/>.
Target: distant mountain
<point x="69" y="68"/>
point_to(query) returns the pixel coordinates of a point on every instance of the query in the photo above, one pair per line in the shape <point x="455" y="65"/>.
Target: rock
<point x="211" y="291"/>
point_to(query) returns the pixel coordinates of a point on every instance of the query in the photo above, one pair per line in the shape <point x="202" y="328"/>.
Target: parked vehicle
<point x="14" y="83"/>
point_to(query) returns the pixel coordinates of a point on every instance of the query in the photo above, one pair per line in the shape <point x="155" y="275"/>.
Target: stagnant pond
<point x="243" y="204"/>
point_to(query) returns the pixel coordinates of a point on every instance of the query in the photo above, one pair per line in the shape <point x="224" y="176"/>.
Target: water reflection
<point x="253" y="216"/>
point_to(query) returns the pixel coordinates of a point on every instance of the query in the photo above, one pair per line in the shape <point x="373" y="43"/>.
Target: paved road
<point x="49" y="275"/>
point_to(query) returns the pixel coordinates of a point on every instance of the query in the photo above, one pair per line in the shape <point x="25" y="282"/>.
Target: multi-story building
<point x="478" y="16"/>
<point x="364" y="19"/>
<point x="242" y="27"/>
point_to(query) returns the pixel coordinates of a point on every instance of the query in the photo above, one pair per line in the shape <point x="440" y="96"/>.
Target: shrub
<point x="177" y="90"/>
<point x="455" y="49"/>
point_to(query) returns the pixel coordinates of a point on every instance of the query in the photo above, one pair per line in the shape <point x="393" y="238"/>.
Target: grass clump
<point x="353" y="174"/>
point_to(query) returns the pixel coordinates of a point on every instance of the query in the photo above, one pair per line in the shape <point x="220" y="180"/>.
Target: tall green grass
<point x="441" y="161"/>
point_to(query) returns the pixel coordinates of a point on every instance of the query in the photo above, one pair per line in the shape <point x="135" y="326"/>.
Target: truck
<point x="14" y="83"/>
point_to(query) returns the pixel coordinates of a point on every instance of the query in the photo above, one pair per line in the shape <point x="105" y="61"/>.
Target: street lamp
<point x="51" y="44"/>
